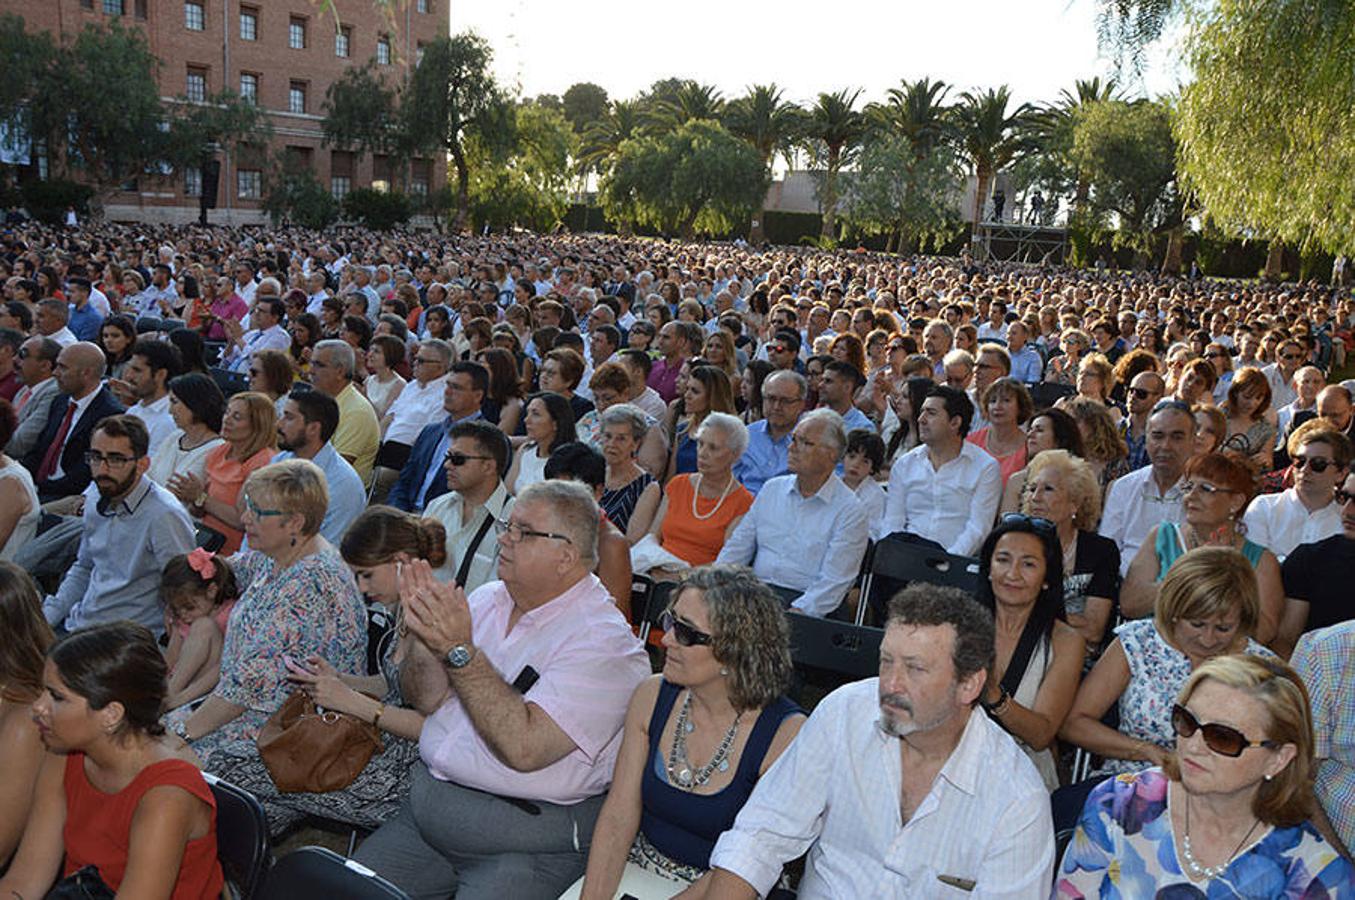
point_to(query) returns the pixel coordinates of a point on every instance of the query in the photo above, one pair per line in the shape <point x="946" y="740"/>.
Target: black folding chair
<point x="231" y="383"/>
<point x="641" y="589"/>
<point x="831" y="653"/>
<point x="899" y="560"/>
<point x="147" y="324"/>
<point x="1047" y="393"/>
<point x="208" y="539"/>
<point x="317" y="872"/>
<point x="241" y="837"/>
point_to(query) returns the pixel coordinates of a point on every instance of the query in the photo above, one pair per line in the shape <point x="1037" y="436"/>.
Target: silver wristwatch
<point x="460" y="656"/>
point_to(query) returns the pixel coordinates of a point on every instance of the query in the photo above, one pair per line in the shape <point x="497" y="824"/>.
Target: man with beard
<point x="132" y="527"/>
<point x="309" y="419"/>
<point x="936" y="799"/>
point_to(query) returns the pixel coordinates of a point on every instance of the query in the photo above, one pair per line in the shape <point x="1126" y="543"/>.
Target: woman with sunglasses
<point x="1039" y="655"/>
<point x="698" y="737"/>
<point x="1217" y="489"/>
<point x="1063" y="369"/>
<point x="250" y="434"/>
<point x="1228" y="815"/>
<point x="377" y="547"/>
<point x="298" y="600"/>
<point x="1208" y="606"/>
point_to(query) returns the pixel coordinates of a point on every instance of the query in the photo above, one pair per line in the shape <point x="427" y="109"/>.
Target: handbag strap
<point x="1025" y="648"/>
<point x="464" y="570"/>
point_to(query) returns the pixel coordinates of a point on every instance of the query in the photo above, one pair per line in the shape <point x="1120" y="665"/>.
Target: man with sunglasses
<point x="36" y="362"/>
<point x="1144" y="391"/>
<point x="1289" y="357"/>
<point x="1317" y="576"/>
<point x="1146" y="497"/>
<point x="474" y="466"/>
<point x="783" y="351"/>
<point x="131" y="527"/>
<point x="537" y="670"/>
<point x="900" y="786"/>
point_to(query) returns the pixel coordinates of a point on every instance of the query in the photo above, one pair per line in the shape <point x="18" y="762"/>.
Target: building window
<point x="249" y="24"/>
<point x="296" y="97"/>
<point x="249" y="184"/>
<point x="342" y="39"/>
<point x="141" y="10"/>
<point x="192" y="182"/>
<point x="383" y="51"/>
<point x="249" y="87"/>
<point x="296" y="34"/>
<point x="340" y="185"/>
<point x="418" y="54"/>
<point x="196" y="86"/>
<point x="113" y="7"/>
<point x="87" y="4"/>
<point x="194" y="16"/>
<point x="423" y="6"/>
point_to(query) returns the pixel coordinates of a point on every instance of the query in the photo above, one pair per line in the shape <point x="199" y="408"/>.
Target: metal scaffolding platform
<point x="1014" y="242"/>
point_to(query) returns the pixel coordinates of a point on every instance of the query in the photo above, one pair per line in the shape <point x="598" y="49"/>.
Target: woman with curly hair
<point x="726" y="670"/>
<point x="1103" y="446"/>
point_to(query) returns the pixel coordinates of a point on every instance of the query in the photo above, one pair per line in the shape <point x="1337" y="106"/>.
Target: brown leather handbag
<point x="308" y="749"/>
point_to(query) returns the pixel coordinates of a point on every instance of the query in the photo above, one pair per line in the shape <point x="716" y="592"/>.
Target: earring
<point x="724" y="673"/>
<point x="1268" y="777"/>
<point x="293" y="540"/>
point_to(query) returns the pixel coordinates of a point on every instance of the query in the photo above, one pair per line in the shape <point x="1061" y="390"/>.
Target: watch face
<point x="458" y="656"/>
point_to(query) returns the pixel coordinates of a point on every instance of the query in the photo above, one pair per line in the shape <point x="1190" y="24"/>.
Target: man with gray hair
<point x="783" y="400"/>
<point x="537" y="670"/>
<point x="359" y="434"/>
<point x="806" y="532"/>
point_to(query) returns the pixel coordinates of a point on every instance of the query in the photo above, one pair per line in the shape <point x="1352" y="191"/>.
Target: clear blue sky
<point x="1036" y="46"/>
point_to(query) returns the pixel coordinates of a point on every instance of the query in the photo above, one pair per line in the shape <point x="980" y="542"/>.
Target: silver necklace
<point x="1198" y="870"/>
<point x="680" y="769"/>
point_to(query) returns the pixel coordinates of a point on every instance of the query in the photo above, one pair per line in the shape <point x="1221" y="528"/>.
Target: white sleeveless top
<point x="1040" y="659"/>
<point x="531" y="468"/>
<point x="27" y="526"/>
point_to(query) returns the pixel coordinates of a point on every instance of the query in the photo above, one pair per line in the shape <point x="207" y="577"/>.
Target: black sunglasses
<point x="1036" y="522"/>
<point x="1342" y="497"/>
<point x="460" y="459"/>
<point x="1222" y="739"/>
<point x="686" y="635"/>
<point x="1316" y="463"/>
<point x="1142" y="393"/>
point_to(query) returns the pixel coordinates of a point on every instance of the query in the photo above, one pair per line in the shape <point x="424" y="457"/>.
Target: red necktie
<point x="54" y="452"/>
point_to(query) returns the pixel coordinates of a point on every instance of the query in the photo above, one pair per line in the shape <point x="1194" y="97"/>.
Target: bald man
<point x="1334" y="404"/>
<point x="57" y="462"/>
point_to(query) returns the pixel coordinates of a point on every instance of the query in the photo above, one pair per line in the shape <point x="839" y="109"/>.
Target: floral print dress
<point x="1124" y="847"/>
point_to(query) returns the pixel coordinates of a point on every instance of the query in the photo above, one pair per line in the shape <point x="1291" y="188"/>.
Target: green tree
<point x="28" y="59"/>
<point x="690" y="102"/>
<point x="697" y="178"/>
<point x="377" y="210"/>
<point x="584" y="103"/>
<point x="770" y="124"/>
<point x="361" y="112"/>
<point x="988" y="137"/>
<point x="913" y="199"/>
<point x="916" y="111"/>
<point x="453" y="97"/>
<point x="1129" y="156"/>
<point x="833" y="130"/>
<point x="531" y="187"/>
<point x="300" y="197"/>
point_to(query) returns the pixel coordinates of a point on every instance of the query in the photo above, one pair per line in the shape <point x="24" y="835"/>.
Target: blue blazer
<point x="76" y="475"/>
<point x="406" y="489"/>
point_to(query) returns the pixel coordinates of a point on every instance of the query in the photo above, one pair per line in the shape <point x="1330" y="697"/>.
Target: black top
<point x="1319" y="574"/>
<point x="1096" y="573"/>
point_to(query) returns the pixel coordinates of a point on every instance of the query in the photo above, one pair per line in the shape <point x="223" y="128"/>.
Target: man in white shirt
<point x="316" y="294"/>
<point x="245" y="285"/>
<point x="1289" y="356"/>
<point x="152" y="365"/>
<point x="418" y="404"/>
<point x="1305" y="513"/>
<point x="995" y="329"/>
<point x="1149" y="496"/>
<point x="160" y="298"/>
<point x="267" y="333"/>
<point x="806" y="532"/>
<point x="476" y="498"/>
<point x="897" y="786"/>
<point x="1308" y="383"/>
<point x="945" y="489"/>
<point x="50" y="320"/>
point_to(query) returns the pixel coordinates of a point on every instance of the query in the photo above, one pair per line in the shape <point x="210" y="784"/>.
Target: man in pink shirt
<point x="536" y="672"/>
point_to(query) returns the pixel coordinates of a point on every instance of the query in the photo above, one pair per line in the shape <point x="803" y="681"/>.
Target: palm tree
<point x="602" y="139"/>
<point x="690" y="102"/>
<point x="989" y="138"/>
<point x="915" y="111"/>
<point x="836" y="127"/>
<point x="767" y="122"/>
<point x="1061" y="119"/>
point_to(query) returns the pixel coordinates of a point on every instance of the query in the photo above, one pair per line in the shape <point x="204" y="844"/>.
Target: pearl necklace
<point x="696" y="492"/>
<point x="1198" y="870"/>
<point x="680" y="768"/>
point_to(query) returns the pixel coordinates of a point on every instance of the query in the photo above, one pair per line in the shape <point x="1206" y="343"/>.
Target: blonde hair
<point x="1206" y="582"/>
<point x="1103" y="441"/>
<point x="263" y="421"/>
<point x="1078" y="479"/>
<point x="1286" y="799"/>
<point x="295" y="486"/>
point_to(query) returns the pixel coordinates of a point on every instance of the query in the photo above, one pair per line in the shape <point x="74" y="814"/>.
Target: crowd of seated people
<point x="420" y="476"/>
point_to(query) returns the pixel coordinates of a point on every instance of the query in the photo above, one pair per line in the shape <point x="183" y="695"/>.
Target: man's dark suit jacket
<point x="75" y="471"/>
<point x="406" y="490"/>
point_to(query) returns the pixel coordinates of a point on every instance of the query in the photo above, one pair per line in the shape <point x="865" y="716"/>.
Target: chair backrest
<point x="641" y="589"/>
<point x="317" y="872"/>
<point x="849" y="652"/>
<point x="905" y="561"/>
<point x="147" y="324"/>
<point x="1047" y="393"/>
<point x="241" y="836"/>
<point x="207" y="538"/>
<point x="231" y="383"/>
<point x="660" y="594"/>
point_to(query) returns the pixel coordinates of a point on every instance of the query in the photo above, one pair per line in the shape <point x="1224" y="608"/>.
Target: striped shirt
<point x="1325" y="660"/>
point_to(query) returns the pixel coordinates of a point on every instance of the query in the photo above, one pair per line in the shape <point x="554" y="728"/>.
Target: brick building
<point x="282" y="53"/>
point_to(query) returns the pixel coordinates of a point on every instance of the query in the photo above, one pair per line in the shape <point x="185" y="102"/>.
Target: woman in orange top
<point x="1007" y="407"/>
<point x="116" y="797"/>
<point x="250" y="431"/>
<point x="701" y="509"/>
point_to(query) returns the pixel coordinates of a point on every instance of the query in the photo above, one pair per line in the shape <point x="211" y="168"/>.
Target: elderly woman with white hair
<point x="701" y="509"/>
<point x="632" y="495"/>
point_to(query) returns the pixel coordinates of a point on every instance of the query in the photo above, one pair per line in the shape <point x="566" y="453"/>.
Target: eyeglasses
<point x="422" y="361"/>
<point x="505" y="528"/>
<point x="772" y="400"/>
<point x="1142" y="393"/>
<point x="258" y="511"/>
<point x="1342" y="497"/>
<point x="460" y="459"/>
<point x="1036" y="522"/>
<point x="1209" y="490"/>
<point x="1317" y="463"/>
<point x="1221" y="739"/>
<point x="686" y="635"/>
<point x="1291" y="357"/>
<point x="95" y="459"/>
<point x="1216" y="356"/>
